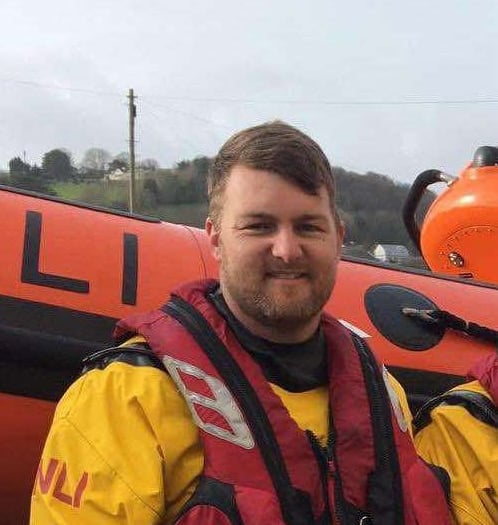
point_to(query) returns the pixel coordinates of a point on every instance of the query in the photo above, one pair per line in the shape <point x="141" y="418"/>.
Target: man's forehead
<point x="241" y="176"/>
<point x="251" y="191"/>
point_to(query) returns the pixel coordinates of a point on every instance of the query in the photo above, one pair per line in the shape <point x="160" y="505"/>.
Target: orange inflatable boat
<point x="68" y="272"/>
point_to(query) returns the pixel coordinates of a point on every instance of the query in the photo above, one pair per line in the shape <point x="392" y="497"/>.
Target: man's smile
<point x="287" y="275"/>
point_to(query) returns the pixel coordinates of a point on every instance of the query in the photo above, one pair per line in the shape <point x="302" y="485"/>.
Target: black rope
<point x="446" y="319"/>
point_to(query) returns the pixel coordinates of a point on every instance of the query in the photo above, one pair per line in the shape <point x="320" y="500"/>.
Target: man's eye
<point x="309" y="228"/>
<point x="259" y="227"/>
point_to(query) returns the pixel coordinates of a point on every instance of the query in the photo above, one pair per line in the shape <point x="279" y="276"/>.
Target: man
<point x="240" y="402"/>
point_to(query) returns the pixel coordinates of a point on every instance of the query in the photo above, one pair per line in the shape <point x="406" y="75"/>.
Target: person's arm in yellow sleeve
<point x="117" y="434"/>
<point x="468" y="450"/>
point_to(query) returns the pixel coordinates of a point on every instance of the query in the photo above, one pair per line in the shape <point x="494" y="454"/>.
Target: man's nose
<point x="286" y="246"/>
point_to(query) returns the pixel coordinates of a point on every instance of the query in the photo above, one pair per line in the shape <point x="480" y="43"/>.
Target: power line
<point x="32" y="83"/>
<point x="184" y="113"/>
<point x="146" y="111"/>
<point x="413" y="102"/>
<point x="291" y="102"/>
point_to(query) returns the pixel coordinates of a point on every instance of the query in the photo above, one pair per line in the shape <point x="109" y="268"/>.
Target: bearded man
<point x="240" y="401"/>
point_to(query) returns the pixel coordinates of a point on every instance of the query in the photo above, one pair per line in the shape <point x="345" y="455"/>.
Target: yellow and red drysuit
<point x="459" y="432"/>
<point x="124" y="449"/>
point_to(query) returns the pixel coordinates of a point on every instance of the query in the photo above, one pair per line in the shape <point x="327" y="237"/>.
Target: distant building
<point x="118" y="174"/>
<point x="391" y="253"/>
<point x="351" y="249"/>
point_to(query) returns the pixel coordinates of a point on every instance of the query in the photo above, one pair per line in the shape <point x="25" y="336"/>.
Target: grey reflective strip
<point x="222" y="402"/>
<point x="358" y="331"/>
<point x="395" y="402"/>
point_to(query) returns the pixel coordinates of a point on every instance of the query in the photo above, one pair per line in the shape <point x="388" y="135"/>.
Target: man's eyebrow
<point x="257" y="215"/>
<point x="312" y="217"/>
<point x="268" y="216"/>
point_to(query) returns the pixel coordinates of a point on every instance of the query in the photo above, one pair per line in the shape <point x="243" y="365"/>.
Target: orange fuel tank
<point x="459" y="234"/>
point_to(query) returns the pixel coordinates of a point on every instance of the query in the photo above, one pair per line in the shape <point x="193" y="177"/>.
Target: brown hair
<point x="276" y="147"/>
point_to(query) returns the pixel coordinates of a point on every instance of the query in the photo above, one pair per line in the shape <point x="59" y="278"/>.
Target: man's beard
<point x="278" y="309"/>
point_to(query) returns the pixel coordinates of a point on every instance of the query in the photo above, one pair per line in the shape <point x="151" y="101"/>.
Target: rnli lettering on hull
<point x="31" y="273"/>
<point x="31" y="263"/>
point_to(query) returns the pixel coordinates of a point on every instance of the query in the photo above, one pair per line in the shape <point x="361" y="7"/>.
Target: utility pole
<point x="132" y="110"/>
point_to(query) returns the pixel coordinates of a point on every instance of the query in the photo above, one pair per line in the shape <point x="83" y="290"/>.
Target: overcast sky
<point x="389" y="86"/>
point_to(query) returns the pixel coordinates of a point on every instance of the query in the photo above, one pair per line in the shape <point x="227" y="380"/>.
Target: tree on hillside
<point x="96" y="159"/>
<point x="149" y="165"/>
<point x="372" y="207"/>
<point x="201" y="167"/>
<point x="94" y="164"/>
<point x="150" y="193"/>
<point x="27" y="177"/>
<point x="186" y="183"/>
<point x="123" y="156"/>
<point x="57" y="165"/>
<point x="18" y="167"/>
<point x="121" y="161"/>
<point x="182" y="165"/>
<point x="117" y="164"/>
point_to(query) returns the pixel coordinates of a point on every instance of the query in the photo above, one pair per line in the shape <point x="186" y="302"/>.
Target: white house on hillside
<point x="393" y="253"/>
<point x="118" y="174"/>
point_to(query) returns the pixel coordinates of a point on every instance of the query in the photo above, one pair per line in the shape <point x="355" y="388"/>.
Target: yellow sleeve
<point x="468" y="449"/>
<point x="117" y="435"/>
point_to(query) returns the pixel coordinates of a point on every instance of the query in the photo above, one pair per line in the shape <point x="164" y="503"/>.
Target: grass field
<point x="114" y="194"/>
<point x="68" y="190"/>
<point x="193" y="214"/>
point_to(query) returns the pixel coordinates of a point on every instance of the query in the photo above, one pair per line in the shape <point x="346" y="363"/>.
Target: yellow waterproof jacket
<point x="468" y="449"/>
<point x="123" y="448"/>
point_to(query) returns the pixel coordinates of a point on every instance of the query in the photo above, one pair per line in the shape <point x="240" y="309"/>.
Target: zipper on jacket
<point x="322" y="459"/>
<point x="385" y="447"/>
<point x="206" y="337"/>
<point x="332" y="460"/>
<point x="327" y="462"/>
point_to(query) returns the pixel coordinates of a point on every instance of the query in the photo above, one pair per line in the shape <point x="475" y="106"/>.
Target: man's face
<point x="278" y="250"/>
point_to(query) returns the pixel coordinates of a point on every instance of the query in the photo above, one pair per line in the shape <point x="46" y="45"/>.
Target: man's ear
<point x="214" y="238"/>
<point x="341" y="231"/>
